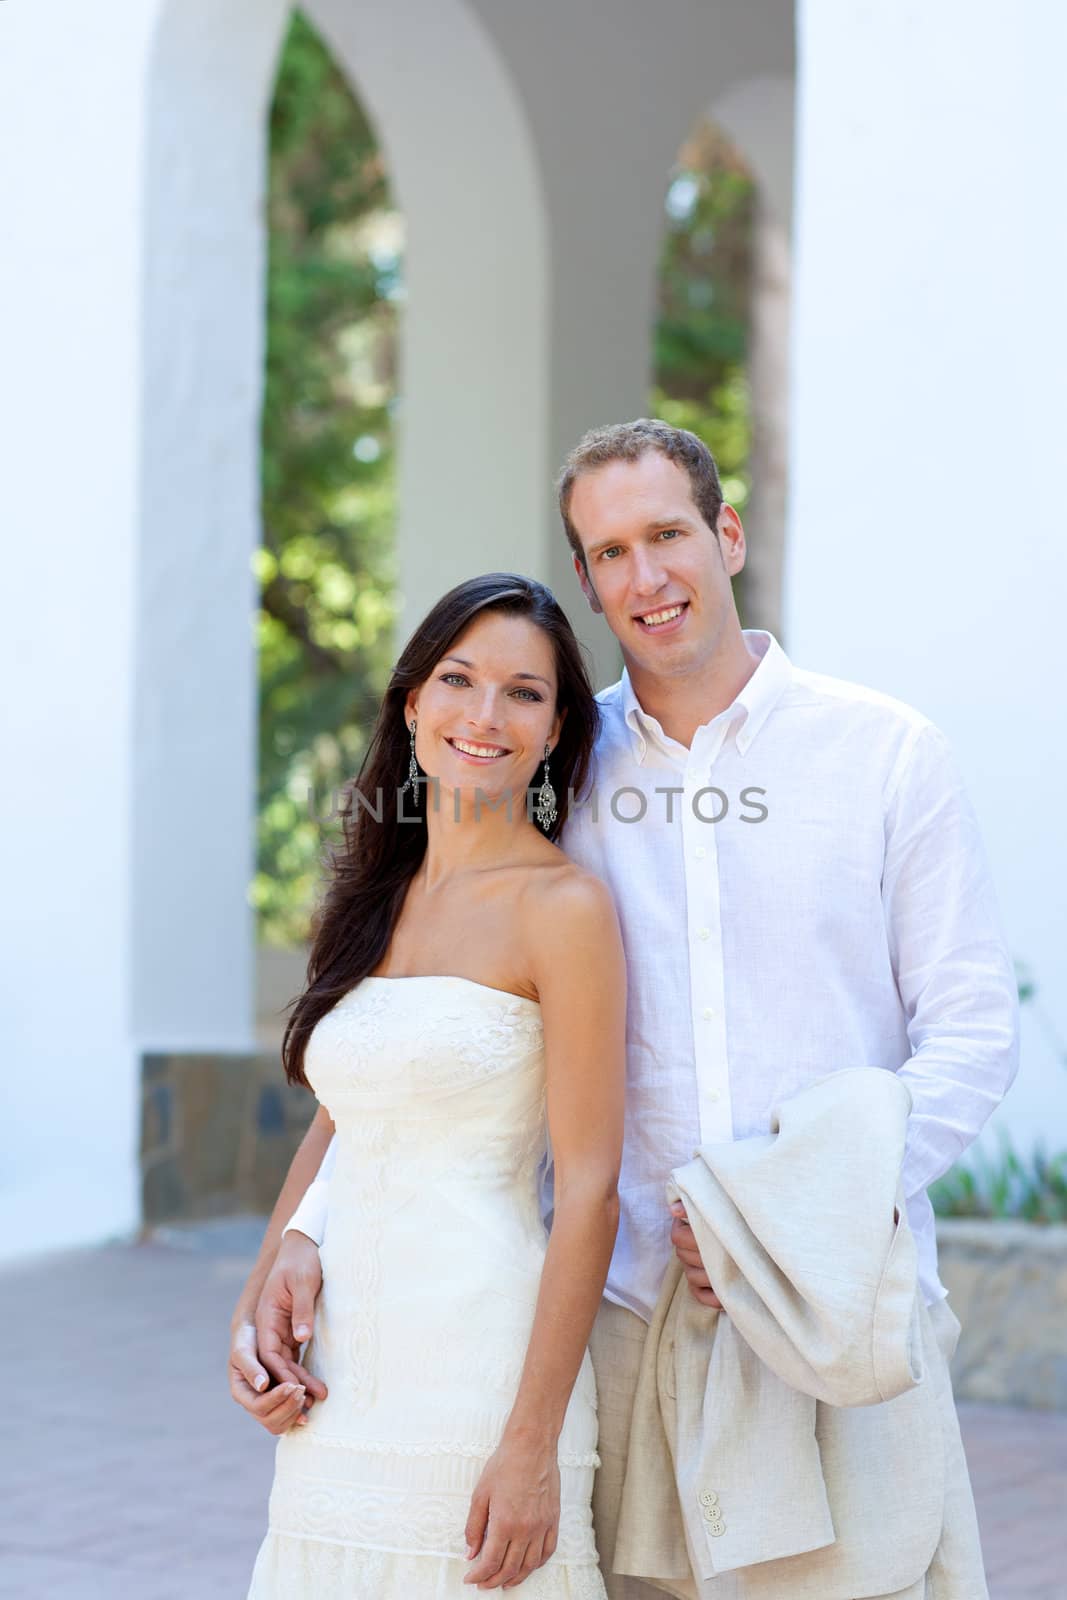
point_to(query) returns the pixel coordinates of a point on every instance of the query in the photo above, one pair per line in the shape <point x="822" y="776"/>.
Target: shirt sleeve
<point x="310" y="1215"/>
<point x="953" y="971"/>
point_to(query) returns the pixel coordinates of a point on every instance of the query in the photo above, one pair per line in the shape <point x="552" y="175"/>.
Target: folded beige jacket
<point x="795" y="1439"/>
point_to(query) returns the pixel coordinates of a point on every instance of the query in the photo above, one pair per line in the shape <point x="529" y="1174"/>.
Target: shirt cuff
<point x="310" y="1215"/>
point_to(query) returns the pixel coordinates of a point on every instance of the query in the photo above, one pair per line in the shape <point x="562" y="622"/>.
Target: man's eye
<point x="604" y="554"/>
<point x="669" y="533"/>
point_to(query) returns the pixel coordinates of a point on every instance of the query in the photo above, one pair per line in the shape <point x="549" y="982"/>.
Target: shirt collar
<point x="751" y="708"/>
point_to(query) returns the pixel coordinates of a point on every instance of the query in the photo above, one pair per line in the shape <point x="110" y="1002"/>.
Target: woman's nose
<point x="485" y="713"/>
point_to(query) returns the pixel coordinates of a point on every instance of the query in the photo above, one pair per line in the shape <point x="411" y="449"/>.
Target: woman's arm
<point x="577" y="962"/>
<point x="277" y="1408"/>
<point x="303" y="1169"/>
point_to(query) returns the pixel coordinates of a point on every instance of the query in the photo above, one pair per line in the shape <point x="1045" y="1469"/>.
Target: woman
<point x="466" y="988"/>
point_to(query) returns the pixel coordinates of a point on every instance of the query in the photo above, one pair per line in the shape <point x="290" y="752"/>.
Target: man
<point x="801" y="888"/>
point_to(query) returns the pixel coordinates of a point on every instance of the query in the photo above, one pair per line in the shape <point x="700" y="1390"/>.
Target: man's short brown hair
<point x="629" y="441"/>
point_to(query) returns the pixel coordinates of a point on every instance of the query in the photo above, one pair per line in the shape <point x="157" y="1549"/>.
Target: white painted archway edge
<point x="473" y="427"/>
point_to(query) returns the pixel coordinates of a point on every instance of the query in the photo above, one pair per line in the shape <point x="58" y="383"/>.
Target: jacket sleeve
<point x="950" y="960"/>
<point x="310" y="1215"/>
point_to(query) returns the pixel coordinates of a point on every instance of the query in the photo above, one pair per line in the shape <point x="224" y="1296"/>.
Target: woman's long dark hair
<point x="369" y="872"/>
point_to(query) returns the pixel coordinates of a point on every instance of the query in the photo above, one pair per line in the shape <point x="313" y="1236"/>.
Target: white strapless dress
<point x="431" y="1265"/>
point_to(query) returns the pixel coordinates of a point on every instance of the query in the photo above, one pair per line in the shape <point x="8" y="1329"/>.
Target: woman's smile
<point x="479" y="754"/>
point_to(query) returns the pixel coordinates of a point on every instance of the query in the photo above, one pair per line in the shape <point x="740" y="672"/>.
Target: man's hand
<point x="268" y="1348"/>
<point x="685" y="1248"/>
<point x="285" y="1316"/>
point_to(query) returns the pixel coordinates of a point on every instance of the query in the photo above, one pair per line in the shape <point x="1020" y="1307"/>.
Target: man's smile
<point x="664" y="619"/>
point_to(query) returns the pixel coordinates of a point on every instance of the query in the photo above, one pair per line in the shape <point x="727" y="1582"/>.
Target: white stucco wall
<point x="71" y="137"/>
<point x="927" y="552"/>
<point x="207" y="84"/>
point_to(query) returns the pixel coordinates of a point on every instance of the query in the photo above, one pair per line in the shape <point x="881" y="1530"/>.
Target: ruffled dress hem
<point x="300" y="1564"/>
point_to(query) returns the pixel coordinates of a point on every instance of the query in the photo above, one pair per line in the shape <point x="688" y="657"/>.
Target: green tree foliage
<point x="326" y="563"/>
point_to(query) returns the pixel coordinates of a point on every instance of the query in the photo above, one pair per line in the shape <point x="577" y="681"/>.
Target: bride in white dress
<point x="465" y="999"/>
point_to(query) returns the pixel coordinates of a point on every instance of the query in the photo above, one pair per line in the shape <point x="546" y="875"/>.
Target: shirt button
<point x="700" y="852"/>
<point x="714" y="1096"/>
<point x="704" y="933"/>
<point x="707" y="1013"/>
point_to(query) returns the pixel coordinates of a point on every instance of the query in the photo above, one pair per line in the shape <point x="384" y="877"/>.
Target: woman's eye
<point x="461" y="678"/>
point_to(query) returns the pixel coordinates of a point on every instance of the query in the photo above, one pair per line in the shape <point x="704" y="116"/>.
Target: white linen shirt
<point x="853" y="925"/>
<point x="812" y="894"/>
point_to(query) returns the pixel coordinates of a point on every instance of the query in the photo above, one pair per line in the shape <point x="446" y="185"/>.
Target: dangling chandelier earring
<point x="546" y="799"/>
<point x="413" y="766"/>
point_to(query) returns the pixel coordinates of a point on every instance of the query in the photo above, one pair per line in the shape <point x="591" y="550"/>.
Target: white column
<point x="209" y="81"/>
<point x="927" y="554"/>
<point x="768" y="381"/>
<point x="473" y="410"/>
<point x="71" y="110"/>
<point x="758" y="115"/>
<point x="132" y="290"/>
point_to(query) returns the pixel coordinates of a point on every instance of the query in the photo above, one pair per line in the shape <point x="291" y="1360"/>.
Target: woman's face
<point x="487" y="709"/>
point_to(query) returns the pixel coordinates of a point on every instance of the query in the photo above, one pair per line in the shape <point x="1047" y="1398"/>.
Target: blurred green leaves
<point x="1004" y="1185"/>
<point x="701" y="334"/>
<point x="325" y="568"/>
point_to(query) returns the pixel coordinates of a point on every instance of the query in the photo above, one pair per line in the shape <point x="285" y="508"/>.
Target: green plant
<point x="1033" y="1189"/>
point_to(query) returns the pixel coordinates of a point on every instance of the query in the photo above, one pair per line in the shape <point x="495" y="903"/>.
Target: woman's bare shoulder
<point x="566" y="896"/>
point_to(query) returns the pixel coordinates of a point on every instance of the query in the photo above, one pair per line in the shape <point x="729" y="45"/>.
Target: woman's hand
<point x="513" y="1525"/>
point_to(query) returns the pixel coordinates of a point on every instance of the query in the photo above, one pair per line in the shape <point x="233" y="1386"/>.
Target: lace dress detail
<point x="431" y="1266"/>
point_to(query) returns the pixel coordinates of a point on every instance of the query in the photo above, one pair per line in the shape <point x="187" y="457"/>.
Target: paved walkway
<point x="126" y="1471"/>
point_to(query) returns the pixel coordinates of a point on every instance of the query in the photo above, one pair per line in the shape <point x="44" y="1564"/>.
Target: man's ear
<point x="587" y="587"/>
<point x="732" y="546"/>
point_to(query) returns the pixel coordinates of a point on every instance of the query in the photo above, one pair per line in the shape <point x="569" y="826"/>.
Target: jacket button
<point x="717" y="1528"/>
<point x="709" y="1498"/>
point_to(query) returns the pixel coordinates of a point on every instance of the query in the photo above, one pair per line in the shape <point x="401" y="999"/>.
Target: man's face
<point x="655" y="569"/>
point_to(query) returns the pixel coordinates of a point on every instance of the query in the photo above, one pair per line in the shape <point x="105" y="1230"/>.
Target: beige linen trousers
<point x="912" y="1513"/>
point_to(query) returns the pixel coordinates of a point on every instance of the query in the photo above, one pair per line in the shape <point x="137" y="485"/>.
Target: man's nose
<point x="647" y="576"/>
